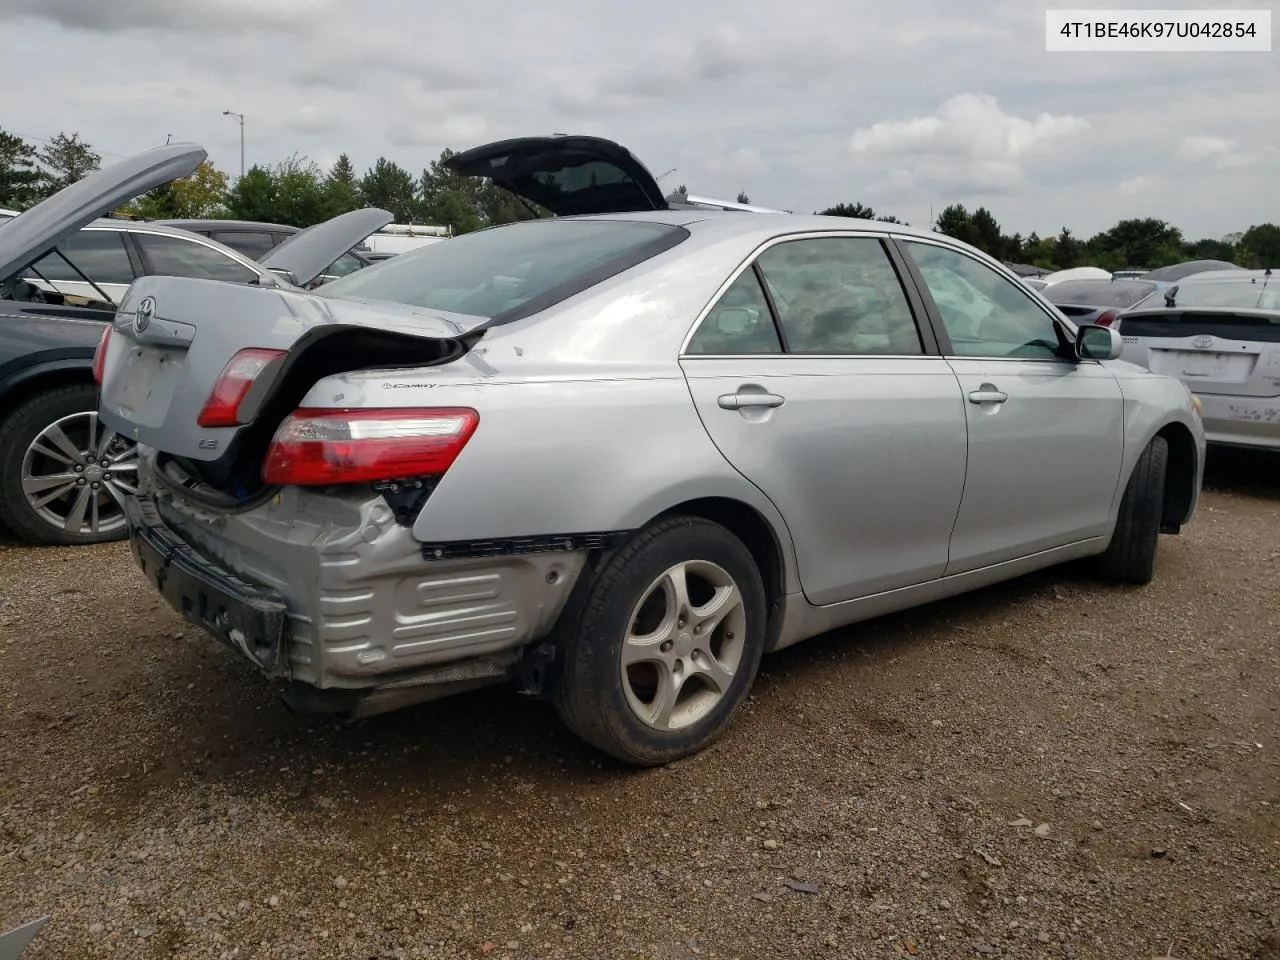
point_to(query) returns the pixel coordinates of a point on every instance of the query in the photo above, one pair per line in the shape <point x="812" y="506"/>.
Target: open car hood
<point x="568" y="175"/>
<point x="306" y="254"/>
<point x="30" y="235"/>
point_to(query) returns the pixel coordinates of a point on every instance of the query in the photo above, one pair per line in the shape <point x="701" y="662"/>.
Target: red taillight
<point x="1106" y="319"/>
<point x="222" y="409"/>
<point x="322" y="447"/>
<point x="100" y="355"/>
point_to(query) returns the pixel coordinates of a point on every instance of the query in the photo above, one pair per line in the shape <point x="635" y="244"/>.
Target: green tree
<point x="856" y="211"/>
<point x="986" y="235"/>
<point x="253" y="196"/>
<point x="1261" y="243"/>
<point x="742" y="197"/>
<point x="1068" y="252"/>
<point x="64" y="160"/>
<point x="299" y="195"/>
<point x="391" y="187"/>
<point x="1140" y="242"/>
<point x="1209" y="249"/>
<point x="19" y="177"/>
<point x="341" y="188"/>
<point x="195" y="197"/>
<point x="956" y="221"/>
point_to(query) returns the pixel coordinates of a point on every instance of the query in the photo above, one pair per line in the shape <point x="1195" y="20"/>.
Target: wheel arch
<point x="1181" y="486"/>
<point x="25" y="383"/>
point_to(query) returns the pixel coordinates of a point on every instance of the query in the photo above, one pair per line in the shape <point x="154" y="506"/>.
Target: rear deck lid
<point x="568" y="175"/>
<point x="1215" y="351"/>
<point x="30" y="235"/>
<point x="303" y="256"/>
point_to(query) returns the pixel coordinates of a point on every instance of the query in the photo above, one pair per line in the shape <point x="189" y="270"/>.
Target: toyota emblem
<point x="146" y="310"/>
<point x="1202" y="342"/>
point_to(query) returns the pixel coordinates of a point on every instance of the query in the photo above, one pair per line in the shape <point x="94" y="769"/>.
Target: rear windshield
<point x="510" y="272"/>
<point x="1258" y="328"/>
<point x="1098" y="293"/>
<point x="1228" y="293"/>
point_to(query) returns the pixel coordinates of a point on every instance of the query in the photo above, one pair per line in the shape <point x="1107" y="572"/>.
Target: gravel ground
<point x="1049" y="768"/>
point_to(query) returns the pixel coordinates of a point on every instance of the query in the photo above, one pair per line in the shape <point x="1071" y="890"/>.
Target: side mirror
<point x="1098" y="343"/>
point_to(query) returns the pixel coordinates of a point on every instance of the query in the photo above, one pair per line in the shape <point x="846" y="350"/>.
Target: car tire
<point x="1131" y="557"/>
<point x="75" y="407"/>
<point x="696" y="650"/>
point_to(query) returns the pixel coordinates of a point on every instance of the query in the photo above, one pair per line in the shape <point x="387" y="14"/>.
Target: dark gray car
<point x="1098" y="301"/>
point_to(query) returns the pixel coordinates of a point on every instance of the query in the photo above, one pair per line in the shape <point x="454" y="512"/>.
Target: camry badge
<point x="146" y="310"/>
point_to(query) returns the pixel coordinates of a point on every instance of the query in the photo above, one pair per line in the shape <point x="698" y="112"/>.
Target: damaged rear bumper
<point x="335" y="600"/>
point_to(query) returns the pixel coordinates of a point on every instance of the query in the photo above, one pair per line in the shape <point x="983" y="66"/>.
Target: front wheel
<point x="63" y="475"/>
<point x="668" y="644"/>
<point x="1131" y="557"/>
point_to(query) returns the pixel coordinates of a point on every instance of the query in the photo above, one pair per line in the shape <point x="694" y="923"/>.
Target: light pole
<point x="240" y="117"/>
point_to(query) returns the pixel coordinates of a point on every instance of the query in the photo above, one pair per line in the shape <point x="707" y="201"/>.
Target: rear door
<point x="1046" y="435"/>
<point x="171" y="255"/>
<point x="814" y="379"/>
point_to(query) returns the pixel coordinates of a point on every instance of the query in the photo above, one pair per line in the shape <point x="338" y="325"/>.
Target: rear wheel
<point x="63" y="475"/>
<point x="668" y="644"/>
<point x="1131" y="557"/>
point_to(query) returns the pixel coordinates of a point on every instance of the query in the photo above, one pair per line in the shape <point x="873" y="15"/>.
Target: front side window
<point x="839" y="296"/>
<point x="178" y="257"/>
<point x="739" y="323"/>
<point x="99" y="254"/>
<point x="985" y="314"/>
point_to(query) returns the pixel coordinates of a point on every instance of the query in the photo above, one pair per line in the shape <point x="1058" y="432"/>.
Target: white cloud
<point x="783" y="101"/>
<point x="1226" y="154"/>
<point x="1128" y="188"/>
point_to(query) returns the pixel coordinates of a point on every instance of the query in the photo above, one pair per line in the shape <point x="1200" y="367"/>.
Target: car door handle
<point x="740" y="401"/>
<point x="987" y="396"/>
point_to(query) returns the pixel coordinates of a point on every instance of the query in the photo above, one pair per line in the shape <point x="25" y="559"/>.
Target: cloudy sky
<point x="801" y="103"/>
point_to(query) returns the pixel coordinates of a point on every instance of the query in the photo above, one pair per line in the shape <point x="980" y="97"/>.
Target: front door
<point x="811" y="377"/>
<point x="1046" y="436"/>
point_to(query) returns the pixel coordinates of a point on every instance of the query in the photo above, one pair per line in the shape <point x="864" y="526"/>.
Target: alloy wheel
<point x="76" y="474"/>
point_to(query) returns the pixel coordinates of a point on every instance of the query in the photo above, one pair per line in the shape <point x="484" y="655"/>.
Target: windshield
<point x="510" y="272"/>
<point x="1228" y="293"/>
<point x="1099" y="293"/>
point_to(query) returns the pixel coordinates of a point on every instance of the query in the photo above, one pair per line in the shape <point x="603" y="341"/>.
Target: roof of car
<point x="732" y="222"/>
<point x="216" y="224"/>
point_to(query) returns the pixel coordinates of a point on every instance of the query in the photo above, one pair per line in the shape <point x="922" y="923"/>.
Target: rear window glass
<point x="1231" y="293"/>
<point x="1120" y="293"/>
<point x="1259" y="329"/>
<point x="510" y="272"/>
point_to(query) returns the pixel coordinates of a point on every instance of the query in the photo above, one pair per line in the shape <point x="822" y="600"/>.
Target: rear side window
<point x="178" y="257"/>
<point x="839" y="296"/>
<point x="513" y="271"/>
<point x="99" y="254"/>
<point x="739" y="323"/>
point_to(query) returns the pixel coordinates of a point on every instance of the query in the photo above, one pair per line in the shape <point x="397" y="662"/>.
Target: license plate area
<point x="249" y="620"/>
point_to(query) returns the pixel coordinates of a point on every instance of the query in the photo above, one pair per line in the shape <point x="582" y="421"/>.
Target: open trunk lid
<point x="568" y="175"/>
<point x="32" y="234"/>
<point x="303" y="256"/>
<point x="1226" y="352"/>
<point x="173" y="338"/>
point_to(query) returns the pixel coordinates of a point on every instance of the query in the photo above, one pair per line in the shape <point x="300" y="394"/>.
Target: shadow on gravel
<point x="1248" y="473"/>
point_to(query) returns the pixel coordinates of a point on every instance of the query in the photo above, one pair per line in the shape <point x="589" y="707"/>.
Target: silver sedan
<point x="614" y="459"/>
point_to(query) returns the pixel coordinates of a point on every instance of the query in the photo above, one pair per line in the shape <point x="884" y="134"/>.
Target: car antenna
<point x="1170" y="296"/>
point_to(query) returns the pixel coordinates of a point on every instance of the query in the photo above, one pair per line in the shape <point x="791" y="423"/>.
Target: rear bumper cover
<point x="249" y="620"/>
<point x="1241" y="421"/>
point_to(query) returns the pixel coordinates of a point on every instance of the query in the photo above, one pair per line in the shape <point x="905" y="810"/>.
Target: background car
<point x="1220" y="334"/>
<point x="255" y="240"/>
<point x="1098" y="301"/>
<point x="616" y="458"/>
<point x="62" y="475"/>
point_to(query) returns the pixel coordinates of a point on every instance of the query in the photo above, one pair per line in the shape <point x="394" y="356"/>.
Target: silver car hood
<point x="30" y="235"/>
<point x="305" y="255"/>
